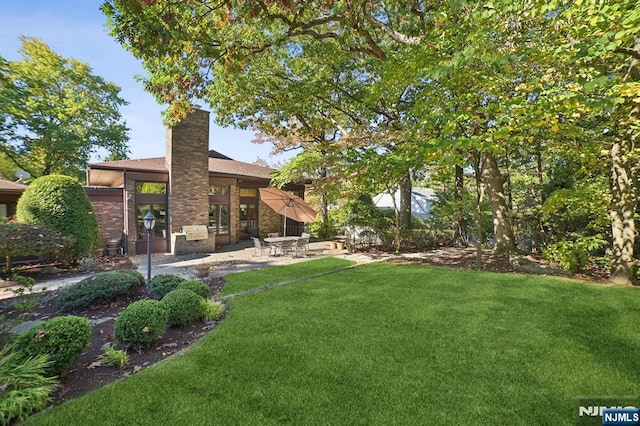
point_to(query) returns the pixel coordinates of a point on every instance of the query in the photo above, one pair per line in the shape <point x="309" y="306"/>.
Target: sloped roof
<point x="238" y="168"/>
<point x="216" y="165"/>
<point x="12" y="187"/>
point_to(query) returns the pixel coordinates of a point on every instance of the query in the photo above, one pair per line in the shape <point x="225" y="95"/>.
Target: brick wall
<point x="108" y="207"/>
<point x="187" y="156"/>
<point x="182" y="246"/>
<point x="234" y="213"/>
<point x="131" y="218"/>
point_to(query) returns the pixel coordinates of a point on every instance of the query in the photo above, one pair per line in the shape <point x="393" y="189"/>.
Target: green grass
<point x="242" y="281"/>
<point x="390" y="344"/>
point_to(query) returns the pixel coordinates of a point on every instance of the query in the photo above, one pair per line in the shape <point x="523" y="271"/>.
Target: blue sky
<point x="76" y="28"/>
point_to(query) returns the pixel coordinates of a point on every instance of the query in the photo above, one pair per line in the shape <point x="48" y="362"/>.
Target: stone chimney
<point x="187" y="158"/>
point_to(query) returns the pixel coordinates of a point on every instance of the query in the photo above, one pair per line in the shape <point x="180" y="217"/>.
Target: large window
<point x="219" y="218"/>
<point x="151" y="188"/>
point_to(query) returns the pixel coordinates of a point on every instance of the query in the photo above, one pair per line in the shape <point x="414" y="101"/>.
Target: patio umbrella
<point x="288" y="205"/>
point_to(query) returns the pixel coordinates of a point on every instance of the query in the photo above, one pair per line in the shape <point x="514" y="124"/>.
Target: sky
<point x="77" y="29"/>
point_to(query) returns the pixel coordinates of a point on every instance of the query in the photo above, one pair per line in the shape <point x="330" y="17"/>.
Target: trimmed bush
<point x="141" y="323"/>
<point x="184" y="307"/>
<point x="198" y="287"/>
<point x="20" y="239"/>
<point x="96" y="289"/>
<point x="24" y="386"/>
<point x="61" y="204"/>
<point x="133" y="273"/>
<point x="63" y="339"/>
<point x="162" y="284"/>
<point x="212" y="310"/>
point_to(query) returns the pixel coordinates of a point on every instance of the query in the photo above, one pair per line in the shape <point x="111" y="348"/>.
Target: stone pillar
<point x="187" y="157"/>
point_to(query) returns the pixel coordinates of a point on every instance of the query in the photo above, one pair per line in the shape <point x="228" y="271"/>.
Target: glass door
<point x="158" y="234"/>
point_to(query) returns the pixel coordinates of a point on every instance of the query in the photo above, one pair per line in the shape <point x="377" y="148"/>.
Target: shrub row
<point x="418" y="239"/>
<point x="182" y="302"/>
<point x="99" y="288"/>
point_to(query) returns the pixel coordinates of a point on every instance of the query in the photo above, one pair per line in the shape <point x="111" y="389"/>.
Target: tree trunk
<point x="457" y="221"/>
<point x="494" y="184"/>
<point x="324" y="208"/>
<point x="459" y="183"/>
<point x="624" y="196"/>
<point x="477" y="168"/>
<point x="405" y="202"/>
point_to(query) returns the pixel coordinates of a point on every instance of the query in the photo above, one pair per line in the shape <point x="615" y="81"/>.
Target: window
<point x="4" y="211"/>
<point x="219" y="191"/>
<point x="151" y="188"/>
<point x="219" y="218"/>
<point x="248" y="192"/>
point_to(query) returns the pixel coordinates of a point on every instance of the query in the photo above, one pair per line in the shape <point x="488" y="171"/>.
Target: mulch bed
<point x="86" y="374"/>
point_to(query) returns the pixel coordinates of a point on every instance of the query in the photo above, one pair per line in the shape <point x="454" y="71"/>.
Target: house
<point x="9" y="194"/>
<point x="421" y="200"/>
<point x="191" y="185"/>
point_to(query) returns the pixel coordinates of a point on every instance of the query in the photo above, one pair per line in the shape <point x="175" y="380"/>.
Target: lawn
<point x="243" y="281"/>
<point x="390" y="344"/>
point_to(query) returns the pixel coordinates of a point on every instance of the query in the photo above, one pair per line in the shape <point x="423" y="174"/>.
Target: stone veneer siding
<point x="187" y="157"/>
<point x="268" y="220"/>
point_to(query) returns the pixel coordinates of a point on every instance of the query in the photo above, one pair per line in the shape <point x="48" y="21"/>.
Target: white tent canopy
<point x="421" y="200"/>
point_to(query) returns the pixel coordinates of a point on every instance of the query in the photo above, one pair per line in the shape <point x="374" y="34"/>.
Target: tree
<point x="54" y="113"/>
<point x="60" y="204"/>
<point x="602" y="41"/>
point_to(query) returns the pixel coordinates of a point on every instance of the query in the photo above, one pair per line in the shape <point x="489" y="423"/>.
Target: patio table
<point x="276" y="242"/>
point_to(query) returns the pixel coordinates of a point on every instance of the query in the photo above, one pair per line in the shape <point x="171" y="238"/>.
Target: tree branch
<point x="395" y="35"/>
<point x="628" y="51"/>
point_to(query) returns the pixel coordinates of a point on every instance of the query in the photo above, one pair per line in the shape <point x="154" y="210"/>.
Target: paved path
<point x="235" y="258"/>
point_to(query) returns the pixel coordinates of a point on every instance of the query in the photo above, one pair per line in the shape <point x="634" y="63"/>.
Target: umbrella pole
<point x="284" y="231"/>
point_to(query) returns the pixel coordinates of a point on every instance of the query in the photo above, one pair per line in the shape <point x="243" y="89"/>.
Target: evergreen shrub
<point x="184" y="306"/>
<point x="140" y="323"/>
<point x="63" y="339"/>
<point x="96" y="289"/>
<point x="61" y="204"/>
<point x="162" y="284"/>
<point x="198" y="287"/>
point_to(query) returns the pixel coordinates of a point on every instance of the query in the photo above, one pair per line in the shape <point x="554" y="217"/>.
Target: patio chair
<point x="302" y="244"/>
<point x="258" y="246"/>
<point x="288" y="247"/>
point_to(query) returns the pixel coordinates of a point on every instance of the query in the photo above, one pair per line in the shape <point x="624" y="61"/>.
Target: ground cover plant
<point x="390" y="344"/>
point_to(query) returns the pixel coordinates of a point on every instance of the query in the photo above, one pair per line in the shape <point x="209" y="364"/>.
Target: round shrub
<point x="96" y="289"/>
<point x="198" y="287"/>
<point x="133" y="273"/>
<point x="63" y="339"/>
<point x="61" y="204"/>
<point x="140" y="323"/>
<point x="162" y="284"/>
<point x="184" y="306"/>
